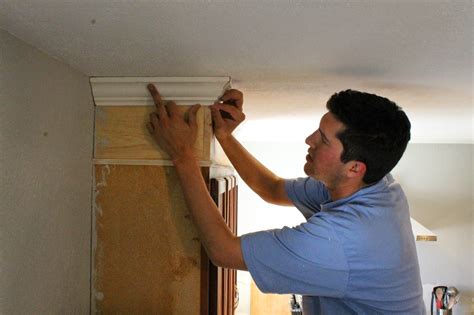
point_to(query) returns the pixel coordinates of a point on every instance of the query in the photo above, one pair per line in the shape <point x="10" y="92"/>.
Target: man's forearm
<point x="260" y="179"/>
<point x="221" y="245"/>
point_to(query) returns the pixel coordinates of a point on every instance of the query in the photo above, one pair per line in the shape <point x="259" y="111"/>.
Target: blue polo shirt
<point x="355" y="255"/>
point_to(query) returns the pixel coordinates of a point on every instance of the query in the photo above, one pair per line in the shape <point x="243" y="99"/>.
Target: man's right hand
<point x="261" y="180"/>
<point x="223" y="127"/>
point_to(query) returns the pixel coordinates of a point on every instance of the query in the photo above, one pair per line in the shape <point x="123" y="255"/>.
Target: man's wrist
<point x="223" y="139"/>
<point x="184" y="159"/>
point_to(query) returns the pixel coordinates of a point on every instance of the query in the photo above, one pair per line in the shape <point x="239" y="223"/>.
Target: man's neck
<point x="344" y="190"/>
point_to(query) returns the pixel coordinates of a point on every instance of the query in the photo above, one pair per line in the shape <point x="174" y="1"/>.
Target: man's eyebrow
<point x="323" y="135"/>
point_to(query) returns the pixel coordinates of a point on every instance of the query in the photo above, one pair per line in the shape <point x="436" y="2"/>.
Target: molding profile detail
<point x="132" y="91"/>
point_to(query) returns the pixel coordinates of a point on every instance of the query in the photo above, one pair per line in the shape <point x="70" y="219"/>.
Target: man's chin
<point x="307" y="170"/>
<point x="310" y="172"/>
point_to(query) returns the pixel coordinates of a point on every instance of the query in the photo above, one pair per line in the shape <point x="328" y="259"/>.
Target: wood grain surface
<point x="121" y="133"/>
<point x="147" y="253"/>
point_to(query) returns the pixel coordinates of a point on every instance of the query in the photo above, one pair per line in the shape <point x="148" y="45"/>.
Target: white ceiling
<point x="288" y="57"/>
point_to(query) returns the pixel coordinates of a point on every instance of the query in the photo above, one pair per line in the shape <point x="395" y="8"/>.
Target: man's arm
<point x="221" y="245"/>
<point x="176" y="136"/>
<point x="261" y="180"/>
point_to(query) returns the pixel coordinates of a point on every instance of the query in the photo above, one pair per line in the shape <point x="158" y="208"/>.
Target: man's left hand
<point x="174" y="131"/>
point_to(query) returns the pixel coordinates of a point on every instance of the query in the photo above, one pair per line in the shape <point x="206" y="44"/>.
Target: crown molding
<point x="130" y="91"/>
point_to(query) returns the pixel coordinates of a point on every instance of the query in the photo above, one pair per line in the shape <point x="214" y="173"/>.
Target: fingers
<point x="233" y="95"/>
<point x="153" y="124"/>
<point x="172" y="108"/>
<point x="150" y="128"/>
<point x="236" y="114"/>
<point x="216" y="116"/>
<point x="158" y="101"/>
<point x="192" y="112"/>
<point x="165" y="108"/>
<point x="154" y="93"/>
<point x="156" y="122"/>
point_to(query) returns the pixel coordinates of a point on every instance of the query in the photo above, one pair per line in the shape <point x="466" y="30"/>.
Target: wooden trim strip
<point x="142" y="162"/>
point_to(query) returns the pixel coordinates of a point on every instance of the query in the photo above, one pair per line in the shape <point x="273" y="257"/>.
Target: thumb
<point x="216" y="116"/>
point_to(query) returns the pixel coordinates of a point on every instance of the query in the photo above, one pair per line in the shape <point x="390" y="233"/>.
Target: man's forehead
<point x="329" y="123"/>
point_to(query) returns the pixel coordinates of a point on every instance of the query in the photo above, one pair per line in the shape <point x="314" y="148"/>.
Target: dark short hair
<point x="376" y="131"/>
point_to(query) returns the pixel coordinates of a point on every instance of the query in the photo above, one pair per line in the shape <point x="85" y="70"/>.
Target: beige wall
<point x="437" y="179"/>
<point x="46" y="124"/>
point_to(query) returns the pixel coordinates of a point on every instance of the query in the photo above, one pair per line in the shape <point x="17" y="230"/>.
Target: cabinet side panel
<point x="147" y="255"/>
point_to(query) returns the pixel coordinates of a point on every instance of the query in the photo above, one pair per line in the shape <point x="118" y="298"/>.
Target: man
<point x="355" y="254"/>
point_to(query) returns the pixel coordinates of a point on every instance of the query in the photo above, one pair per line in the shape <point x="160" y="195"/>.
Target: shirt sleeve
<point x="307" y="194"/>
<point x="296" y="260"/>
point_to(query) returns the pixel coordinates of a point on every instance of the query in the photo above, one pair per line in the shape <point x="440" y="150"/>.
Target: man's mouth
<point x="308" y="158"/>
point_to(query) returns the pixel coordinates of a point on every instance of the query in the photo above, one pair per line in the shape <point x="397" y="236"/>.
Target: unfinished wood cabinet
<point x="147" y="257"/>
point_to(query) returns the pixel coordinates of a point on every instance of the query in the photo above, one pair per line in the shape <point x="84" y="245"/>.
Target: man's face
<point x="323" y="161"/>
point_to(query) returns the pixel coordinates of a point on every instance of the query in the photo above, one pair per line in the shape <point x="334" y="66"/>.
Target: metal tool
<point x="453" y="297"/>
<point x="438" y="298"/>
<point x="295" y="306"/>
<point x="443" y="299"/>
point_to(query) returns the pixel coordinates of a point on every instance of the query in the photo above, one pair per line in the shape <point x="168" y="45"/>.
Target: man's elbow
<point x="276" y="194"/>
<point x="230" y="256"/>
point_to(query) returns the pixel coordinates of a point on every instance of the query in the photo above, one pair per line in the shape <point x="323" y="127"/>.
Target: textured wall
<point x="46" y="125"/>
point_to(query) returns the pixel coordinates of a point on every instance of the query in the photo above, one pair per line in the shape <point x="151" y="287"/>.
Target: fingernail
<point x="150" y="86"/>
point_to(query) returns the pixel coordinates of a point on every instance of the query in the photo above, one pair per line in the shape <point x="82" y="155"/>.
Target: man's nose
<point x="310" y="140"/>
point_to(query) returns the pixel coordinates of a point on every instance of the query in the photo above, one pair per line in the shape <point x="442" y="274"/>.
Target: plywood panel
<point x="147" y="254"/>
<point x="121" y="133"/>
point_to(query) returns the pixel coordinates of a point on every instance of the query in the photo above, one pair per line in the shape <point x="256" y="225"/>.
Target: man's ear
<point x="357" y="169"/>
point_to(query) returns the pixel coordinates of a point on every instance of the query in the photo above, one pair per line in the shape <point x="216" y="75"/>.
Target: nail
<point x="150" y="87"/>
